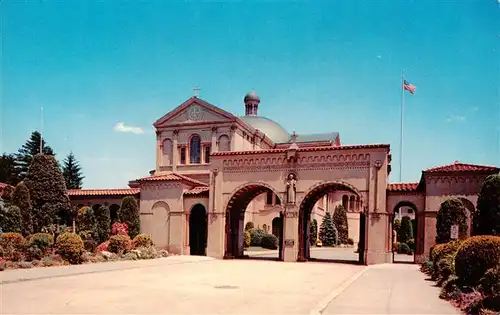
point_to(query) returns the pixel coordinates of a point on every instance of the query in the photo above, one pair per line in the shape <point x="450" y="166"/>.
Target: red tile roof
<point x="171" y="177"/>
<point x="197" y="191"/>
<point x="462" y="167"/>
<point x="402" y="187"/>
<point x="103" y="192"/>
<point x="306" y="149"/>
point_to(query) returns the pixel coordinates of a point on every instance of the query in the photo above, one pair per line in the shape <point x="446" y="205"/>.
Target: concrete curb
<point x="323" y="303"/>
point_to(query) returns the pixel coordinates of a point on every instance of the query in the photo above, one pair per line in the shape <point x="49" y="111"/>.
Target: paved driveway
<point x="199" y="285"/>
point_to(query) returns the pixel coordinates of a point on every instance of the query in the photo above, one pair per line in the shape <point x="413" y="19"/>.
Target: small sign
<point x="454" y="232"/>
<point x="289" y="242"/>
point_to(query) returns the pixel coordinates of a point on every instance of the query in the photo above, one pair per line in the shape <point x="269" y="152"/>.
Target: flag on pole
<point x="409" y="87"/>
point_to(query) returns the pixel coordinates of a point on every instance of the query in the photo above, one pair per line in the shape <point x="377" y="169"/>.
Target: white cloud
<point x="474" y="109"/>
<point x="121" y="127"/>
<point x="456" y="118"/>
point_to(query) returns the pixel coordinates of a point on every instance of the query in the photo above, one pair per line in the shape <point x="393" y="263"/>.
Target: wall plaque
<point x="289" y="242"/>
<point x="291" y="214"/>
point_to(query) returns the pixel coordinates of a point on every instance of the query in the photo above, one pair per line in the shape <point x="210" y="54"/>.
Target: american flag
<point x="409" y="87"/>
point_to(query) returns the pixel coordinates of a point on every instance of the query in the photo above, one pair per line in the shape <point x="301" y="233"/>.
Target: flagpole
<point x="41" y="129"/>
<point x="402" y="126"/>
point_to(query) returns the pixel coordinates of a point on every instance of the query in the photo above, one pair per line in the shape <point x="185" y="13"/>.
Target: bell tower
<point x="252" y="101"/>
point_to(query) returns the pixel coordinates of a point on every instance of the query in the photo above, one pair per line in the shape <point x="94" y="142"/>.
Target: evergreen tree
<point x="487" y="216"/>
<point x="26" y="153"/>
<point x="72" y="172"/>
<point x="340" y="222"/>
<point x="129" y="214"/>
<point x="86" y="223"/>
<point x="7" y="194"/>
<point x="451" y="212"/>
<point x="10" y="218"/>
<point x="103" y="218"/>
<point x="49" y="199"/>
<point x="327" y="231"/>
<point x="8" y="173"/>
<point x="313" y="232"/>
<point x="406" y="230"/>
<point x="21" y="199"/>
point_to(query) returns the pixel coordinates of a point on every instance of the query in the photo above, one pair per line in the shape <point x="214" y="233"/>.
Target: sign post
<point x="454" y="232"/>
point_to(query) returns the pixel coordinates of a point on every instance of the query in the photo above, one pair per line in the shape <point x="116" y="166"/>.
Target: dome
<point x="269" y="127"/>
<point x="251" y="96"/>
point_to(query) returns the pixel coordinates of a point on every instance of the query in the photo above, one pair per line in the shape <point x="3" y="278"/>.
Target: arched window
<point x="195" y="150"/>
<point x="345" y="201"/>
<point x="224" y="143"/>
<point x="167" y="152"/>
<point x="358" y="203"/>
<point x="351" y="203"/>
<point x="264" y="227"/>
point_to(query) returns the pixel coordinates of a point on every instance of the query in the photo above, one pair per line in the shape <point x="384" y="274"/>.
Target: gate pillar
<point x="291" y="233"/>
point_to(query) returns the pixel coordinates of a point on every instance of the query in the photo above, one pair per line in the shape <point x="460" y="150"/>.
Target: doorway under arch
<point x="414" y="242"/>
<point x="198" y="225"/>
<point x="354" y="254"/>
<point x="235" y="216"/>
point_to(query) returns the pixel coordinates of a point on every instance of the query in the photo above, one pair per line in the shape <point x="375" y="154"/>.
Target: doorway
<point x="198" y="231"/>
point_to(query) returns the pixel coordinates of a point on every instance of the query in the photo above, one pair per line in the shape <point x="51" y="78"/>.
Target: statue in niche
<point x="290" y="188"/>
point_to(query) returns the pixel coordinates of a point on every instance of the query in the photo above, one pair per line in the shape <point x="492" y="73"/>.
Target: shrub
<point x="427" y="267"/>
<point x="487" y="218"/>
<point x="404" y="248"/>
<point x="147" y="253"/>
<point x="25" y="265"/>
<point x="70" y="247"/>
<point x="339" y="220"/>
<point x="475" y="256"/>
<point x="256" y="237"/>
<point x="406" y="230"/>
<point x="21" y="199"/>
<point x="10" y="218"/>
<point x="247" y="238"/>
<point x="411" y="244"/>
<point x="313" y="232"/>
<point x="103" y="218"/>
<point x="395" y="247"/>
<point x="142" y="240"/>
<point x="249" y="226"/>
<point x="119" y="244"/>
<point x="350" y="241"/>
<point x="38" y="245"/>
<point x="270" y="241"/>
<point x="439" y="252"/>
<point x="451" y="212"/>
<point x="12" y="245"/>
<point x="88" y="240"/>
<point x="129" y="214"/>
<point x="450" y="289"/>
<point x="119" y="228"/>
<point x="327" y="231"/>
<point x="103" y="247"/>
<point x="489" y="284"/>
<point x="86" y="222"/>
<point x="445" y="268"/>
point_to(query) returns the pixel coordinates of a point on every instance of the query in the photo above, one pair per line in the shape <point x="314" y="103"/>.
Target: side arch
<point x="254" y="189"/>
<point x="333" y="185"/>
<point x="159" y="224"/>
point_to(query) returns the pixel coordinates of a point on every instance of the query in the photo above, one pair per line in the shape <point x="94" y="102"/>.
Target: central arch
<point x="198" y="225"/>
<point x="417" y="232"/>
<point x="235" y="215"/>
<point x="311" y="197"/>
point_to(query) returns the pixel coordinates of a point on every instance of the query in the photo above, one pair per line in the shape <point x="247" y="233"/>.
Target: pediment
<point x="194" y="110"/>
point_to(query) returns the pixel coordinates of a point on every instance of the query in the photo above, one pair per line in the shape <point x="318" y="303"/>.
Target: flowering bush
<point x="39" y="244"/>
<point x="119" y="244"/>
<point x="119" y="228"/>
<point x="103" y="247"/>
<point x="12" y="245"/>
<point x="70" y="247"/>
<point x="142" y="240"/>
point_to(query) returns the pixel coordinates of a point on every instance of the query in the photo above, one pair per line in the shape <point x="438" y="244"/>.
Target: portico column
<point x="214" y="147"/>
<point x="233" y="138"/>
<point x="158" y="151"/>
<point x="175" y="151"/>
<point x="187" y="248"/>
<point x="291" y="233"/>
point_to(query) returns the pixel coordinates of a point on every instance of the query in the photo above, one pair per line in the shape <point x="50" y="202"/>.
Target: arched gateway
<point x="298" y="177"/>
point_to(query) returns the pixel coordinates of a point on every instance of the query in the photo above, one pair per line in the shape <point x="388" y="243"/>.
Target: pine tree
<point x="103" y="218"/>
<point x="487" y="216"/>
<point x="26" y="153"/>
<point x="49" y="199"/>
<point x="21" y="199"/>
<point x="8" y="173"/>
<point x="326" y="231"/>
<point x="72" y="172"/>
<point x="340" y="222"/>
<point x="313" y="232"/>
<point x="129" y="214"/>
<point x="406" y="230"/>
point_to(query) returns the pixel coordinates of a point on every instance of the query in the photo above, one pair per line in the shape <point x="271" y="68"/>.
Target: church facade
<point x="216" y="171"/>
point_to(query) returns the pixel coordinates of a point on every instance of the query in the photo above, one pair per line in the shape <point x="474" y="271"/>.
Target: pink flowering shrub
<point x="119" y="229"/>
<point x="103" y="247"/>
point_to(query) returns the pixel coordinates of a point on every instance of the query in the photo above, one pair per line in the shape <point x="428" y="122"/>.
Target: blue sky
<point x="318" y="66"/>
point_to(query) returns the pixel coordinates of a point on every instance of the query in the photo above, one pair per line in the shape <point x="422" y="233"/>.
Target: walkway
<point x="200" y="285"/>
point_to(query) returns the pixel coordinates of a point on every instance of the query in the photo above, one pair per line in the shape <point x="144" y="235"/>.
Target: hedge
<point x="270" y="241"/>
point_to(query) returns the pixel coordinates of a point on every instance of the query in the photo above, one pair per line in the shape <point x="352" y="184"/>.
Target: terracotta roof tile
<point x="306" y="149"/>
<point x="402" y="187"/>
<point x="197" y="191"/>
<point x="103" y="192"/>
<point x="171" y="177"/>
<point x="461" y="167"/>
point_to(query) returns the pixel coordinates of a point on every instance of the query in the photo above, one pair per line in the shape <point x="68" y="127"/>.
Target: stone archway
<point x="235" y="216"/>
<point x="417" y="229"/>
<point x="198" y="230"/>
<point x="307" y="203"/>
